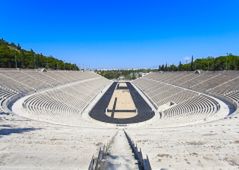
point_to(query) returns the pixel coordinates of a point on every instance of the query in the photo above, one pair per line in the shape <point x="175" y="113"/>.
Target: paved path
<point x="121" y="156"/>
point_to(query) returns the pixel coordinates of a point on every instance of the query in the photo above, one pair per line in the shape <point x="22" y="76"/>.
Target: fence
<point x="144" y="164"/>
<point x="96" y="163"/>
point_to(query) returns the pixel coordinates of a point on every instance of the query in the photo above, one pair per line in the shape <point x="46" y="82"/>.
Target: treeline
<point x="13" y="56"/>
<point x="123" y="74"/>
<point x="229" y="62"/>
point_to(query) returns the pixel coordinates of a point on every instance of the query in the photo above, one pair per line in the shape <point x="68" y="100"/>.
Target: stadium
<point x="119" y="85"/>
<point x="63" y="118"/>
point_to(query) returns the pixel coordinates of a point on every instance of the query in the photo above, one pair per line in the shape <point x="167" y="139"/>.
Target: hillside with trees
<point x="124" y="74"/>
<point x="228" y="62"/>
<point x="13" y="56"/>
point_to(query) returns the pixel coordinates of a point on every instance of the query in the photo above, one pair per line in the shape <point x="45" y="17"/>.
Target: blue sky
<point x="122" y="33"/>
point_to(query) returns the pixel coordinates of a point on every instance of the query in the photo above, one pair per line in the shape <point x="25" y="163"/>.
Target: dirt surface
<point x="121" y="104"/>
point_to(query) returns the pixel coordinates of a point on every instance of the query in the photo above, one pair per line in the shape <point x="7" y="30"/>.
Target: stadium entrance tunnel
<point x="122" y="104"/>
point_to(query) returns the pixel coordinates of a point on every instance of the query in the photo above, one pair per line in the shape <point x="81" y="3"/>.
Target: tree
<point x="180" y="66"/>
<point x="159" y="68"/>
<point x="19" y="47"/>
<point x="191" y="67"/>
<point x="12" y="55"/>
<point x="166" y="67"/>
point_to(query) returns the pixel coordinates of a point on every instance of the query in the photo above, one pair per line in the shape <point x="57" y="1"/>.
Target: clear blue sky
<point x="122" y="33"/>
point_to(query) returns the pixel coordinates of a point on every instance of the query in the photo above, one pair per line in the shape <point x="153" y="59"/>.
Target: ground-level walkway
<point x="120" y="154"/>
